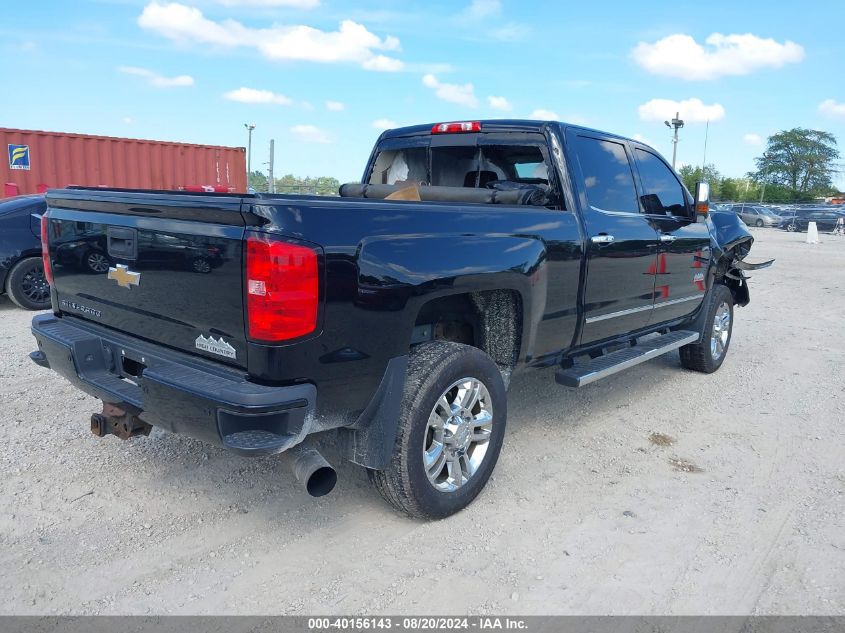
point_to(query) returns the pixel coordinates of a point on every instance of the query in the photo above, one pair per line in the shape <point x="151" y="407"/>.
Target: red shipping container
<point x="37" y="160"/>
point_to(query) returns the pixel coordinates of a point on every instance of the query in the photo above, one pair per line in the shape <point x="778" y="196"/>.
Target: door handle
<point x="602" y="239"/>
<point x="668" y="238"/>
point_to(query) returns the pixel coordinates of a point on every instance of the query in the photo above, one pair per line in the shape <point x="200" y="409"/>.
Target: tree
<point x="691" y="175"/>
<point x="799" y="159"/>
<point x="258" y="182"/>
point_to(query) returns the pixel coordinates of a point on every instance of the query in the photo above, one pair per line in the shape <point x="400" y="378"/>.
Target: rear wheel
<point x="791" y="227"/>
<point x="451" y="428"/>
<point x="758" y="223"/>
<point x="27" y="286"/>
<point x="709" y="354"/>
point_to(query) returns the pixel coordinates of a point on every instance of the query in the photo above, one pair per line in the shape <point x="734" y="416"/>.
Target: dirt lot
<point x="585" y="514"/>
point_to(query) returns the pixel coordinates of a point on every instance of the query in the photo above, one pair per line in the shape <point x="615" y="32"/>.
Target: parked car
<point x="21" y="269"/>
<point x="755" y="215"/>
<point x="825" y="220"/>
<point x="394" y="315"/>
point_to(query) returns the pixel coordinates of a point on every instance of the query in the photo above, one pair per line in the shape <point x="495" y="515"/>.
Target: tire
<point x="26" y="285"/>
<point x="758" y="223"/>
<point x="791" y="227"/>
<point x="96" y="263"/>
<point x="708" y="355"/>
<point x="436" y="371"/>
<point x="201" y="265"/>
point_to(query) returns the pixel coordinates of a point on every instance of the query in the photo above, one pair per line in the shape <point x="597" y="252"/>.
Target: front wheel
<point x="451" y="428"/>
<point x="758" y="223"/>
<point x="709" y="354"/>
<point x="791" y="227"/>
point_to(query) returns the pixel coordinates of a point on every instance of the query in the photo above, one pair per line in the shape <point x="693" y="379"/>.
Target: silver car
<point x="754" y="215"/>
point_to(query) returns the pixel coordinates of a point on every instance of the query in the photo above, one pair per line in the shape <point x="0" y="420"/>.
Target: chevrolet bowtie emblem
<point x="124" y="277"/>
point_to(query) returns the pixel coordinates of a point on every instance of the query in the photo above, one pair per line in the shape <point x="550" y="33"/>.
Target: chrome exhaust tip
<point x="312" y="470"/>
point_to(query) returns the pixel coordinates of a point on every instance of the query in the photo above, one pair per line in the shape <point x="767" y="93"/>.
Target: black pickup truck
<point x="395" y="314"/>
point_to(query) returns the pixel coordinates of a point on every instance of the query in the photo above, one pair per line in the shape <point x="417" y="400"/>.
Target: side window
<point x="608" y="179"/>
<point x="662" y="193"/>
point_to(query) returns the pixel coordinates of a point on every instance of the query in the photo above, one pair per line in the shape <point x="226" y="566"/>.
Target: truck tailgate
<point x="163" y="267"/>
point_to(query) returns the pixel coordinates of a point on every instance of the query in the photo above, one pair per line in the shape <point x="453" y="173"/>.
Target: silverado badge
<point x="124" y="277"/>
<point x="220" y="347"/>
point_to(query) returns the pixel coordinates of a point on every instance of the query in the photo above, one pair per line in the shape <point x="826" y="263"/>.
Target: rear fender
<point x="403" y="273"/>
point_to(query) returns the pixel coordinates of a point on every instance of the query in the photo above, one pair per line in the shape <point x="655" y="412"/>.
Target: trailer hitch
<point x="115" y="421"/>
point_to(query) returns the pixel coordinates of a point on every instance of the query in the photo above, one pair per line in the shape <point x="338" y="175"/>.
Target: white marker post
<point x="812" y="233"/>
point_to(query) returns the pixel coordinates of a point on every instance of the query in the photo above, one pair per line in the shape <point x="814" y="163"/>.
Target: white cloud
<point x="159" y="81"/>
<point x="453" y="93"/>
<point x="679" y="55"/>
<point x="691" y="110"/>
<point x="384" y="124"/>
<point x="511" y="32"/>
<point x="352" y="42"/>
<point x="128" y="120"/>
<point x="335" y="106"/>
<point x="384" y="64"/>
<point x="295" y="4"/>
<point x="479" y="9"/>
<point x="252" y="95"/>
<point x="499" y="103"/>
<point x="310" y="134"/>
<point x="752" y="139"/>
<point x="643" y="139"/>
<point x="541" y="114"/>
<point x="832" y="108"/>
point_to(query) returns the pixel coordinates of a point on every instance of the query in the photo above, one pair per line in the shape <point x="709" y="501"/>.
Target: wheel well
<point x="490" y="321"/>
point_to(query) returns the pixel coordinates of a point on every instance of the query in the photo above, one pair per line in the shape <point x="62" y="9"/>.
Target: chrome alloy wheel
<point x="98" y="263"/>
<point x="721" y="331"/>
<point x="458" y="434"/>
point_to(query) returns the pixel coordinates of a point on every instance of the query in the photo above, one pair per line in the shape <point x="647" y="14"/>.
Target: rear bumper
<point x="174" y="390"/>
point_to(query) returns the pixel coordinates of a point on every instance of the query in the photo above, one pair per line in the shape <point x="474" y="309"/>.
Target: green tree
<point x="321" y="185"/>
<point x="258" y="182"/>
<point x="691" y="175"/>
<point x="802" y="160"/>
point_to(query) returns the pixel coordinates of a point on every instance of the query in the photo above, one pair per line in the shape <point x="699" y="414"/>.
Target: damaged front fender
<point x="730" y="243"/>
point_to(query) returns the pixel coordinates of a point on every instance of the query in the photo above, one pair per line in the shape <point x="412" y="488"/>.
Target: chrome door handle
<point x="602" y="239"/>
<point x="668" y="238"/>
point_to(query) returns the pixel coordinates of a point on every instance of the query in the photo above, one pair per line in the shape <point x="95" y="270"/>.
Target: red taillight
<point x="45" y="251"/>
<point x="455" y="128"/>
<point x="282" y="289"/>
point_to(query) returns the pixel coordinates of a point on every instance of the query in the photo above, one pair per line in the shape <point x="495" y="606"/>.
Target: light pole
<point x="250" y="127"/>
<point x="677" y="124"/>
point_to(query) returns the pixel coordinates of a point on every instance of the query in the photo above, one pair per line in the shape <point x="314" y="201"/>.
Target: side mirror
<point x="702" y="201"/>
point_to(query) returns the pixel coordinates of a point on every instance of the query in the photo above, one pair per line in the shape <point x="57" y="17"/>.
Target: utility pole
<point x="706" y="134"/>
<point x="272" y="183"/>
<point x="250" y="127"/>
<point x="677" y="124"/>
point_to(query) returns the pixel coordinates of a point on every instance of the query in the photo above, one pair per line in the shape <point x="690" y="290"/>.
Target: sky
<point x="324" y="77"/>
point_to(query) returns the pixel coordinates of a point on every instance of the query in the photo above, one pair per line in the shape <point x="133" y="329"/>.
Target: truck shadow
<point x="265" y="487"/>
<point x="6" y="304"/>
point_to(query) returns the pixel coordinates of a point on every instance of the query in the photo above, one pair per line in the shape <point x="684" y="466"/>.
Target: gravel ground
<point x="739" y="510"/>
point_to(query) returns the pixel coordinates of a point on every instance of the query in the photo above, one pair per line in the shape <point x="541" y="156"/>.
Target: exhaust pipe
<point x="311" y="470"/>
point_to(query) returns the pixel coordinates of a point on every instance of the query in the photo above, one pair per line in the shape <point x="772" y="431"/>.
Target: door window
<point x="607" y="176"/>
<point x="662" y="193"/>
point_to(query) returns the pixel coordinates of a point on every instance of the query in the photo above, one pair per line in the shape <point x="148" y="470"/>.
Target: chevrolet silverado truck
<point x="394" y="315"/>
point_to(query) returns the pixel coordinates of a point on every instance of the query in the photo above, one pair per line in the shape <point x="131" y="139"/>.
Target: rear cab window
<point x="495" y="160"/>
